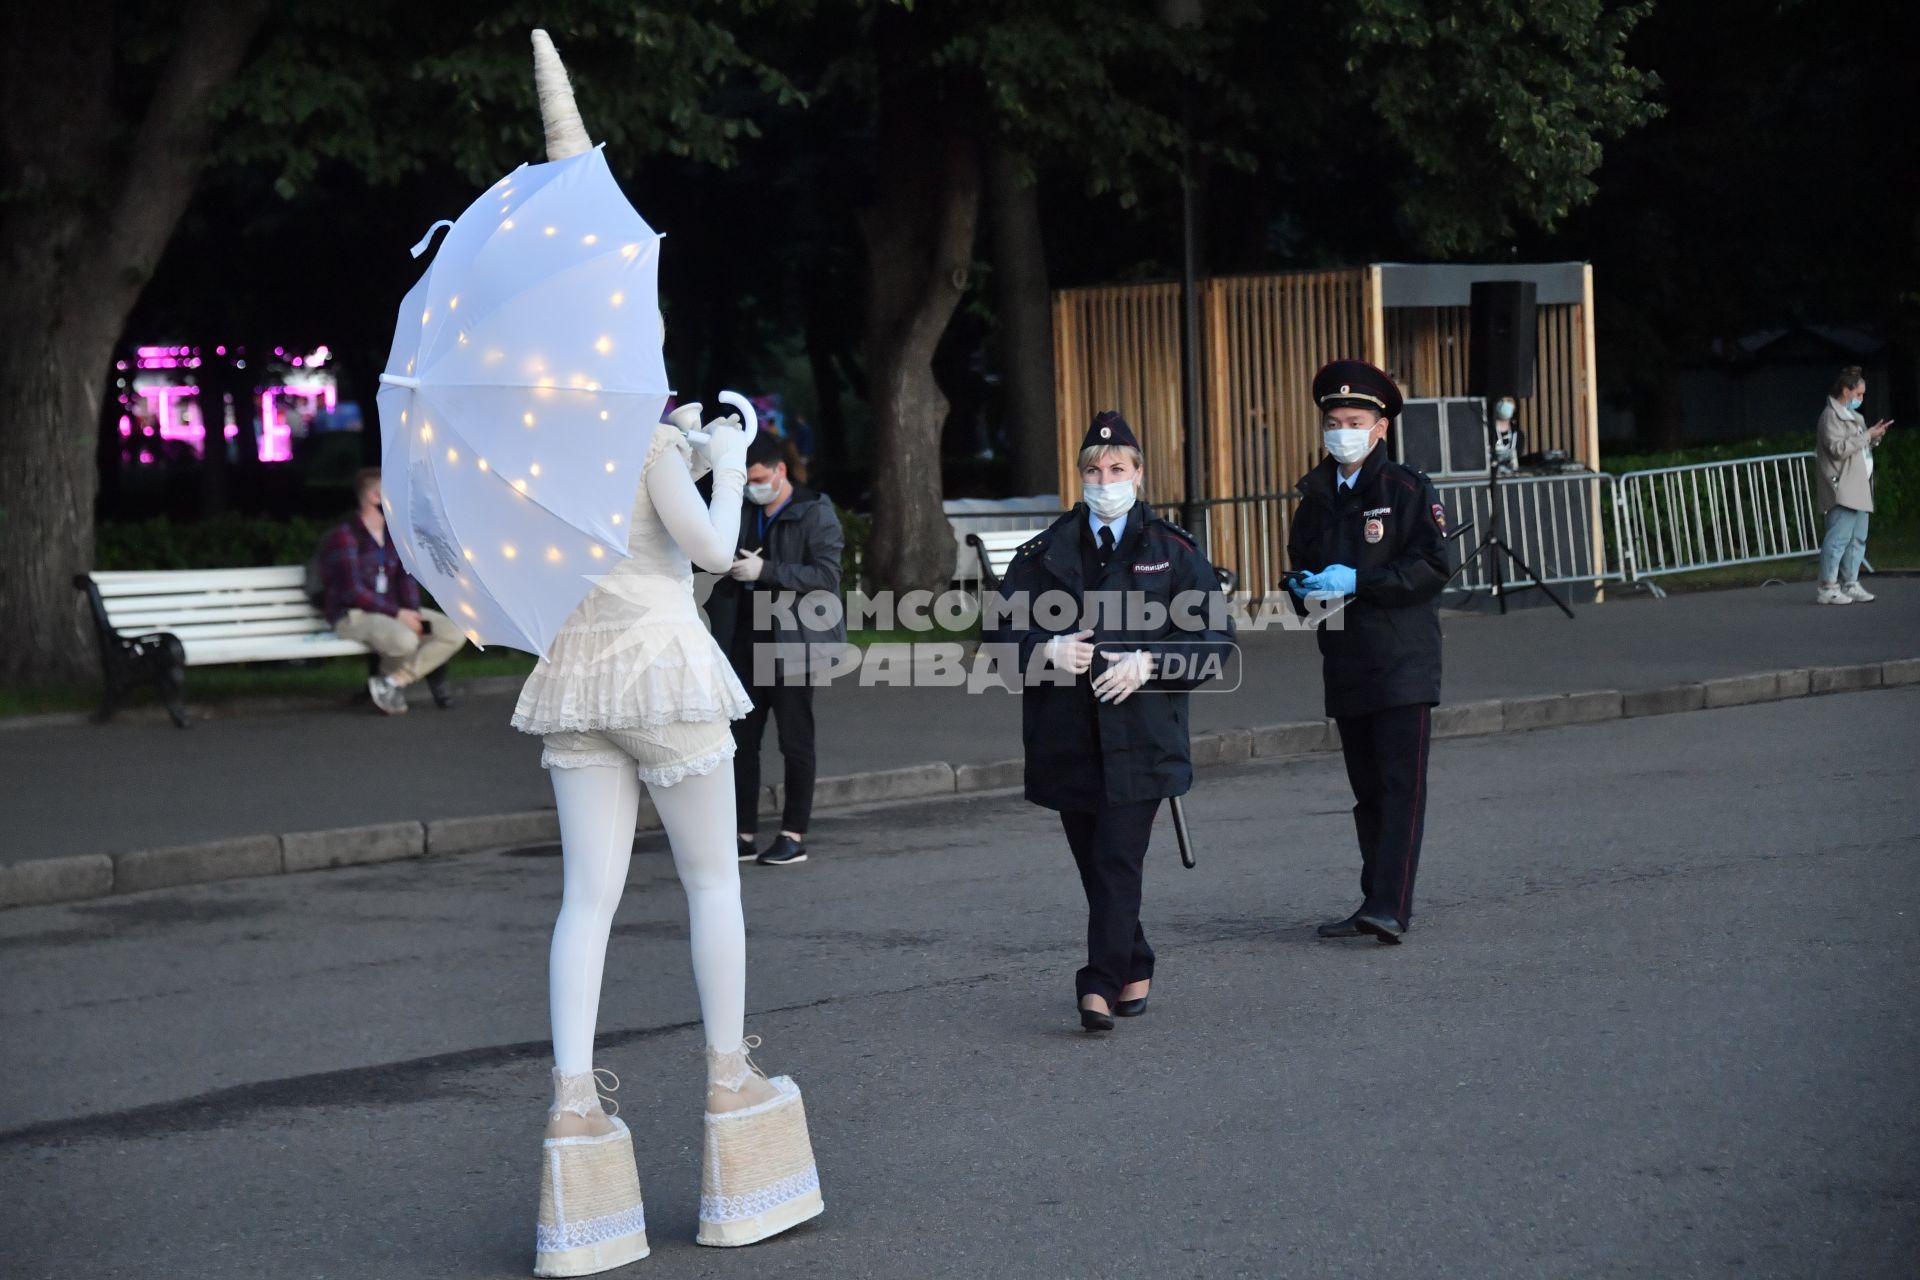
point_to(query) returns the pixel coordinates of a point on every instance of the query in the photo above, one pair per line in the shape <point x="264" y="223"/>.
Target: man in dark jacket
<point x="779" y="601"/>
<point x="1372" y="530"/>
<point x="1113" y="615"/>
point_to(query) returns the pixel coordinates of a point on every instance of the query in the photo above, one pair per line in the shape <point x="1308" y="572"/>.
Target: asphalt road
<point x="1656" y="1018"/>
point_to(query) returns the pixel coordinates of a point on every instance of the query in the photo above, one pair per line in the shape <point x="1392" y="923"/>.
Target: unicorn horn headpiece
<point x="566" y="136"/>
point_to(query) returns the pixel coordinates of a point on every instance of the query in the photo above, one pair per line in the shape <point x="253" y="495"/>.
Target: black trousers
<point x="792" y="709"/>
<point x="1386" y="756"/>
<point x="1110" y="848"/>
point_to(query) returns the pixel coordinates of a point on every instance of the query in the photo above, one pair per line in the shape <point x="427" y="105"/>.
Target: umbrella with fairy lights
<point x="523" y="389"/>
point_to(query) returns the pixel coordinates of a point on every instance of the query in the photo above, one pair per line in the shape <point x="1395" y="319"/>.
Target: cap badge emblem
<point x="1106" y="433"/>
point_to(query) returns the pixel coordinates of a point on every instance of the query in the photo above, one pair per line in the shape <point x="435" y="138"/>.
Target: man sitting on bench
<point x="371" y="598"/>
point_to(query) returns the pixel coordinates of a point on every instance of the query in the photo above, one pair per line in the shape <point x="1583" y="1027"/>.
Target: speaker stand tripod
<point x="1495" y="548"/>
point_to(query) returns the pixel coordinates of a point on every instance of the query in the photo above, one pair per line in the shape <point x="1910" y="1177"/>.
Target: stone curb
<point x="45" y="881"/>
<point x="351" y="846"/>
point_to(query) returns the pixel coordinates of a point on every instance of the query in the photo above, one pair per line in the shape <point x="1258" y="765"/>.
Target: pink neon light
<point x="126" y="425"/>
<point x="276" y="438"/>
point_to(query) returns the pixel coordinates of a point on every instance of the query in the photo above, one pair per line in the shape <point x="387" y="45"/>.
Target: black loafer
<point x="1094" y="1020"/>
<point x="1130" y="1008"/>
<point x="1348" y="928"/>
<point x="785" y="851"/>
<point x="1383" y="928"/>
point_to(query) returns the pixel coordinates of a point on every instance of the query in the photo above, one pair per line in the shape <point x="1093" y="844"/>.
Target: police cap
<point x="1355" y="384"/>
<point x="1109" y="429"/>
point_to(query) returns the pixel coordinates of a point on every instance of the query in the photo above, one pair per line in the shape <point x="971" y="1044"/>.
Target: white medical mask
<point x="1856" y="402"/>
<point x="761" y="494"/>
<point x="1109" y="501"/>
<point x="1348" y="445"/>
<point x="1504" y="410"/>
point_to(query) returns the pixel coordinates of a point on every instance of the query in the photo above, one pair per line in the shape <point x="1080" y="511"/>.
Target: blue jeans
<point x="1845" y="545"/>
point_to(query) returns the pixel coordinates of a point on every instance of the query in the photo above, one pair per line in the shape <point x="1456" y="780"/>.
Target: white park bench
<point x="995" y="547"/>
<point x="154" y="624"/>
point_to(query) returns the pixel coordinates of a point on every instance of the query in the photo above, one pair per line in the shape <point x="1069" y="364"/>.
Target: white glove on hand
<point x="1126" y="674"/>
<point x="687" y="418"/>
<point x="1071" y="653"/>
<point x="727" y="446"/>
<point x="747" y="567"/>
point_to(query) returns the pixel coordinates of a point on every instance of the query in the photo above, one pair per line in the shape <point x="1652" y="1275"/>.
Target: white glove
<point x="1127" y="673"/>
<point x="727" y="445"/>
<point x="1071" y="653"/>
<point x="748" y="567"/>
<point x="687" y="418"/>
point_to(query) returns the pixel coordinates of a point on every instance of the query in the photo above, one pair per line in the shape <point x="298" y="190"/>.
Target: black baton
<point x="1180" y="831"/>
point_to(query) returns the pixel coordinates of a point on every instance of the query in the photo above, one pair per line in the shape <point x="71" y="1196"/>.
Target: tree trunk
<point x="1023" y="307"/>
<point x="80" y="245"/>
<point x="919" y="234"/>
<point x="1658" y="409"/>
<point x="818" y="300"/>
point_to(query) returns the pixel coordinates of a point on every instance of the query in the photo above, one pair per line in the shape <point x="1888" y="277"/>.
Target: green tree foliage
<point x="1498" y="109"/>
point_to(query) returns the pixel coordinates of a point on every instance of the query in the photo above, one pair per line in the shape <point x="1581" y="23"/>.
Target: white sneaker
<point x="388" y="696"/>
<point x="1857" y="593"/>
<point x="1830" y="593"/>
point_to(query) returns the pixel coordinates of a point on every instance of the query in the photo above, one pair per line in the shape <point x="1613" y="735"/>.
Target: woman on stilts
<point x="635" y="690"/>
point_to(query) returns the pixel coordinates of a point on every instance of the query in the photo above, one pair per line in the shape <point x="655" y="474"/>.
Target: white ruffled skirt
<point x="613" y="679"/>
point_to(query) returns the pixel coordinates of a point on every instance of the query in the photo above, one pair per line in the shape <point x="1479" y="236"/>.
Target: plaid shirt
<point x="350" y="565"/>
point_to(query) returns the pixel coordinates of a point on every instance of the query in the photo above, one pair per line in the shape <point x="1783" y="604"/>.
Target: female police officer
<point x="1104" y="714"/>
<point x="1373" y="530"/>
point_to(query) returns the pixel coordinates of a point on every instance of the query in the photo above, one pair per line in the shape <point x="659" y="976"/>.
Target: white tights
<point x="598" y="808"/>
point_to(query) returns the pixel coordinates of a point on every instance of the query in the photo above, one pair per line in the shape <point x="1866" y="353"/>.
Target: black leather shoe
<point x="1384" y="928"/>
<point x="1094" y="1020"/>
<point x="1130" y="1008"/>
<point x="785" y="851"/>
<point x="1348" y="928"/>
<point x="747" y="852"/>
<point x="437" y="686"/>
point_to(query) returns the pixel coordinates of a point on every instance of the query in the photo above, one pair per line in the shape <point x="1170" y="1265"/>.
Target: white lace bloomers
<point x="635" y="656"/>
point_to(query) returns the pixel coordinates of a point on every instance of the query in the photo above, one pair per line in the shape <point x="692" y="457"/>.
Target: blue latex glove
<point x="1334" y="580"/>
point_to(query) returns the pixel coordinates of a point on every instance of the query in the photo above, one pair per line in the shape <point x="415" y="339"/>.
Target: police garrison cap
<point x="1355" y="384"/>
<point x="1108" y="429"/>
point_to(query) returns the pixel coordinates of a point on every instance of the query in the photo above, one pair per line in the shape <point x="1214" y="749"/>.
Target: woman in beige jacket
<point x="1843" y="463"/>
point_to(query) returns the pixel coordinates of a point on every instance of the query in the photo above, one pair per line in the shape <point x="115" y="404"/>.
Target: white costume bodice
<point x="635" y="653"/>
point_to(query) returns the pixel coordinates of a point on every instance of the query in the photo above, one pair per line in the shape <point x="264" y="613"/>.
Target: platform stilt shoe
<point x="759" y="1178"/>
<point x="591" y="1216"/>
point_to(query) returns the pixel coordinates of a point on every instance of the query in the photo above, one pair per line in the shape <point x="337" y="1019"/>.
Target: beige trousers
<point x="400" y="650"/>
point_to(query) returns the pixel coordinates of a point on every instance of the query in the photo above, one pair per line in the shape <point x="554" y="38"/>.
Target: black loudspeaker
<point x="1420" y="432"/>
<point x="1466" y="436"/>
<point x="1503" y="341"/>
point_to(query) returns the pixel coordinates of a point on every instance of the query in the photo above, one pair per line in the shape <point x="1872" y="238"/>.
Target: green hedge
<point x="225" y="542"/>
<point x="1896" y="466"/>
<point x="245" y="542"/>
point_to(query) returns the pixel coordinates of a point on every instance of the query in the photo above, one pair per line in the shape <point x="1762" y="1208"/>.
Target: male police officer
<point x="1104" y="706"/>
<point x="1373" y="530"/>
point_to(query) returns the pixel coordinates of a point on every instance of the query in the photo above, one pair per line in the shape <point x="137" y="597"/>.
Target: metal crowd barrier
<point x="1549" y="521"/>
<point x="1249" y="536"/>
<point x="1713" y="514"/>
<point x="1581" y="526"/>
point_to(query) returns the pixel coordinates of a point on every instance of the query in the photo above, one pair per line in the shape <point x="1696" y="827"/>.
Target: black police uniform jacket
<point x="1385" y="650"/>
<point x="1083" y="754"/>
